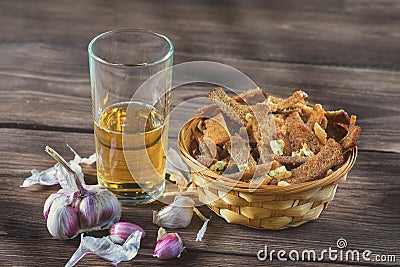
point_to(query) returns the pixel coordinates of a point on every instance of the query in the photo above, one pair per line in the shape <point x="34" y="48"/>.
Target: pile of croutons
<point x="254" y="136"/>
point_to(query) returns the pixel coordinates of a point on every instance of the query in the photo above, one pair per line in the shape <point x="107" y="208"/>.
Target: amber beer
<point x="134" y="167"/>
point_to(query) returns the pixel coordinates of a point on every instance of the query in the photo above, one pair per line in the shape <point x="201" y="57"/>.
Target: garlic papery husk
<point x="110" y="248"/>
<point x="81" y="208"/>
<point x="178" y="214"/>
<point x="169" y="246"/>
<point x="125" y="229"/>
<point x="203" y="229"/>
<point x="58" y="174"/>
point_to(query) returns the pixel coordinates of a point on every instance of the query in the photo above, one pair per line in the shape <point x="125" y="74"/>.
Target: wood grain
<point x="27" y="96"/>
<point x="344" y="53"/>
<point x="359" y="209"/>
<point x="350" y="33"/>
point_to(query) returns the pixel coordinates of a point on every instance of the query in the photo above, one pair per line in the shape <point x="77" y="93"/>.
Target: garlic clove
<point x="68" y="196"/>
<point x="62" y="220"/>
<point x="111" y="210"/>
<point x="176" y="215"/>
<point x="169" y="246"/>
<point x="49" y="202"/>
<point x="99" y="209"/>
<point x="89" y="211"/>
<point x="125" y="229"/>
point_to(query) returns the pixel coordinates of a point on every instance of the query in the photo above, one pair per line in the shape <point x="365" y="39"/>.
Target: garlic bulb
<point x="176" y="215"/>
<point x="72" y="211"/>
<point x="169" y="246"/>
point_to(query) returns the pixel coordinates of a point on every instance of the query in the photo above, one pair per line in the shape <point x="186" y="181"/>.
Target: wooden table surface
<point x="345" y="54"/>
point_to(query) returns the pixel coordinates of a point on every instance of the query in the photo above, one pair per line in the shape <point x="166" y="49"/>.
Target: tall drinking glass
<point x="130" y="127"/>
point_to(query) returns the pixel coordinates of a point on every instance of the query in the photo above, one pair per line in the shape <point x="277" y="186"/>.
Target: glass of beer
<point x="131" y="125"/>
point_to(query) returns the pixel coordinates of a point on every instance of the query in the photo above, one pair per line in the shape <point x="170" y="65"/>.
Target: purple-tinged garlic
<point x="99" y="208"/>
<point x="66" y="217"/>
<point x="87" y="208"/>
<point x="176" y="215"/>
<point x="169" y="246"/>
<point x="125" y="229"/>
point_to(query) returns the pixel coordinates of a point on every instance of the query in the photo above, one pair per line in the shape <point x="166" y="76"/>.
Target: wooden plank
<point x="364" y="206"/>
<point x="352" y="33"/>
<point x="61" y="251"/>
<point x="28" y="97"/>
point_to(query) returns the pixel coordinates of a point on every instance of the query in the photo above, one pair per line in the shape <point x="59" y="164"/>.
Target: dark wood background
<point x="345" y="54"/>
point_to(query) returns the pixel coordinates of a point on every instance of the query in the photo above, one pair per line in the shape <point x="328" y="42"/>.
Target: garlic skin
<point x="176" y="215"/>
<point x="125" y="229"/>
<point x="79" y="207"/>
<point x="110" y="247"/>
<point x="169" y="246"/>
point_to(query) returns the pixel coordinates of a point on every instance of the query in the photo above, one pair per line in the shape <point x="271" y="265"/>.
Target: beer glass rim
<point x="93" y="55"/>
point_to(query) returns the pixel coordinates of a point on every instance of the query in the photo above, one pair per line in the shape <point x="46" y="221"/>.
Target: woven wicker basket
<point x="267" y="207"/>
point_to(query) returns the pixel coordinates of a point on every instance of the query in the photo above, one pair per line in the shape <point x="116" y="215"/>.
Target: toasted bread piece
<point x="306" y="109"/>
<point x="243" y="133"/>
<point x="320" y="133"/>
<point x="251" y="96"/>
<point x="318" y="165"/>
<point x="324" y="123"/>
<point x="247" y="175"/>
<point x="257" y="181"/>
<point x="301" y="134"/>
<point x="316" y="116"/>
<point x="292" y="120"/>
<point x="289" y="160"/>
<point x="194" y="146"/>
<point x="335" y="131"/>
<point x="281" y="104"/>
<point x="240" y="153"/>
<point x="338" y="116"/>
<point x="264" y="131"/>
<point x="231" y="167"/>
<point x="351" y="138"/>
<point x="275" y="164"/>
<point x="230" y="107"/>
<point x="207" y="147"/>
<point x="216" y="129"/>
<point x="279" y="120"/>
<point x="287" y="149"/>
<point x="288" y="111"/>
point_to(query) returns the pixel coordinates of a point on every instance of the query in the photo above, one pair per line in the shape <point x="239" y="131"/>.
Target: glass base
<point x="132" y="194"/>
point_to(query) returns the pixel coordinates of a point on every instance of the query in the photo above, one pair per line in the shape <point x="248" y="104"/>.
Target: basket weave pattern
<point x="267" y="207"/>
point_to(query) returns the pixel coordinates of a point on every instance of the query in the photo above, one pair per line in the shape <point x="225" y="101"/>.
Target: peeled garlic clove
<point x="99" y="209"/>
<point x="176" y="215"/>
<point x="125" y="229"/>
<point x="62" y="220"/>
<point x="169" y="246"/>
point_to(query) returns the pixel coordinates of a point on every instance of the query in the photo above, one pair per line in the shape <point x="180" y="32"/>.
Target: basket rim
<point x="227" y="183"/>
